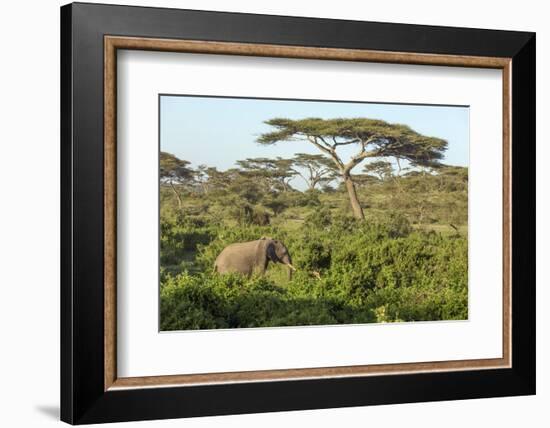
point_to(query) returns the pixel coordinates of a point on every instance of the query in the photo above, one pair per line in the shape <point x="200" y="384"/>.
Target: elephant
<point x="253" y="257"/>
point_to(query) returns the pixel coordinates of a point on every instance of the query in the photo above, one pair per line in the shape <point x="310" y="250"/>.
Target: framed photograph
<point x="266" y="213"/>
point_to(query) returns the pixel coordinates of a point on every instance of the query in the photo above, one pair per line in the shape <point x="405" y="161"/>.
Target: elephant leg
<point x="260" y="269"/>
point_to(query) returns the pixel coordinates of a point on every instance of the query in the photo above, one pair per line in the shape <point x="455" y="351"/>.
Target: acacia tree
<point x="276" y="172"/>
<point x="375" y="139"/>
<point x="283" y="173"/>
<point x="217" y="180"/>
<point x="174" y="171"/>
<point x="380" y="169"/>
<point x="318" y="169"/>
<point x="202" y="178"/>
<point x="426" y="166"/>
<point x="364" y="180"/>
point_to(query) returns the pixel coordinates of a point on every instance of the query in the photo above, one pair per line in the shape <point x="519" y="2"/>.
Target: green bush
<point x="407" y="261"/>
<point x="379" y="270"/>
<point x="179" y="239"/>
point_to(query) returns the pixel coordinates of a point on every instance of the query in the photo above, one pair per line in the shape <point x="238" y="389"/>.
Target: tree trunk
<point x="312" y="185"/>
<point x="177" y="195"/>
<point x="355" y="205"/>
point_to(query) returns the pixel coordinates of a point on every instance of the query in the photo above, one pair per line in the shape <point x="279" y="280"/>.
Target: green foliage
<point x="314" y="169"/>
<point x="245" y="213"/>
<point x="375" y="140"/>
<point x="173" y="168"/>
<point x="367" y="272"/>
<point x="179" y="239"/>
<point x="380" y="169"/>
<point x="384" y="139"/>
<point x="407" y="261"/>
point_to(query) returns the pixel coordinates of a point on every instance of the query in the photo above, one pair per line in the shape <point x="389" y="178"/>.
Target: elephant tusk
<point x="291" y="267"/>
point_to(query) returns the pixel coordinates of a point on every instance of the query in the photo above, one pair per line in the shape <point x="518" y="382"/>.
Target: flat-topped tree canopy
<point x="278" y="170"/>
<point x="314" y="169"/>
<point x="374" y="138"/>
<point x="380" y="169"/>
<point x="174" y="170"/>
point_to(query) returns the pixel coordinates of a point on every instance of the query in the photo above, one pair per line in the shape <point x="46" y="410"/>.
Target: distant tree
<point x="174" y="171"/>
<point x="327" y="188"/>
<point x="375" y="139"/>
<point x="276" y="173"/>
<point x="452" y="178"/>
<point x="202" y="178"/>
<point x="219" y="180"/>
<point x="364" y="180"/>
<point x="248" y="185"/>
<point x="277" y="202"/>
<point x="314" y="169"/>
<point x="232" y="185"/>
<point x="283" y="173"/>
<point x="460" y="172"/>
<point x="426" y="166"/>
<point x="380" y="169"/>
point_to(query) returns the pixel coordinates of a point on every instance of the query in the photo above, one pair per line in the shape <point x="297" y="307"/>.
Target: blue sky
<point x="219" y="131"/>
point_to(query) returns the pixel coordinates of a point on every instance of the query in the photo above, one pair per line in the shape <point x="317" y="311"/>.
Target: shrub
<point x="348" y="272"/>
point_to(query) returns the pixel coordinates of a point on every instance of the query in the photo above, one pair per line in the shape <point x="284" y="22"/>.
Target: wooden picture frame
<point x="91" y="390"/>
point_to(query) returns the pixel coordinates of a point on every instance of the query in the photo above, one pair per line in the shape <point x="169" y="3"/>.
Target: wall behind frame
<point x="29" y="226"/>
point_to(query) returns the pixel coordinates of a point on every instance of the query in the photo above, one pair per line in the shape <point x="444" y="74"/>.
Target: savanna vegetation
<point x="378" y="237"/>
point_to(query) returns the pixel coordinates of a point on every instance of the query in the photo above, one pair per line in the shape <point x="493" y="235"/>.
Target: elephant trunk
<point x="288" y="262"/>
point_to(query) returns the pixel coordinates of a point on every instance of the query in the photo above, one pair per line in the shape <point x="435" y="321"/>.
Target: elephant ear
<point x="270" y="252"/>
